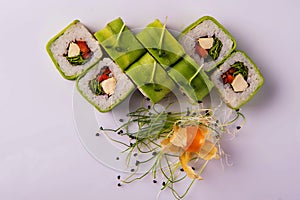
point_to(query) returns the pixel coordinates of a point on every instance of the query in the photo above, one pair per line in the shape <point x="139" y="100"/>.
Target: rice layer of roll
<point x="74" y="50"/>
<point x="151" y="78"/>
<point x="237" y="79"/>
<point x="105" y="85"/>
<point x="120" y="44"/>
<point x="217" y="43"/>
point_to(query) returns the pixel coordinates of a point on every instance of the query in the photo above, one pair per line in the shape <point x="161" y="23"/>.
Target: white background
<point x="41" y="156"/>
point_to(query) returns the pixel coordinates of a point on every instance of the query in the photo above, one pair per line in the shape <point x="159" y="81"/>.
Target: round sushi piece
<point x="74" y="50"/>
<point x="237" y="79"/>
<point x="207" y="42"/>
<point x="104" y="85"/>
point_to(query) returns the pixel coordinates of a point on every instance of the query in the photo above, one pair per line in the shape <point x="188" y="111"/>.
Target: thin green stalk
<point x="160" y="44"/>
<point x="197" y="72"/>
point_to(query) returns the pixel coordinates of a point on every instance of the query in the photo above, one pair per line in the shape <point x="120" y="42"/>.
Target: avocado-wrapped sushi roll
<point x="120" y="44"/>
<point x="237" y="79"/>
<point x="191" y="79"/>
<point x="160" y="43"/>
<point x="150" y="77"/>
<point x="104" y="85"/>
<point x="207" y="42"/>
<point x="74" y="50"/>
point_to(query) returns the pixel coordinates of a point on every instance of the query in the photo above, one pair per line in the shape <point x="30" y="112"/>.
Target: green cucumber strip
<point x="191" y="80"/>
<point x="161" y="44"/>
<point x="120" y="44"/>
<point x="150" y="77"/>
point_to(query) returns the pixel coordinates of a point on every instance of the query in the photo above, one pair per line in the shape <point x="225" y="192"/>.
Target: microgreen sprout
<point x="147" y="146"/>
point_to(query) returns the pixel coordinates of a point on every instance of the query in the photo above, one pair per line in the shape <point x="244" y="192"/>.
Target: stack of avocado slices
<point x="154" y="60"/>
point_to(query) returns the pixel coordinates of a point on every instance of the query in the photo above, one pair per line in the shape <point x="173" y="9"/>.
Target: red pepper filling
<point x="228" y="76"/>
<point x="202" y="52"/>
<point x="84" y="49"/>
<point x="103" y="75"/>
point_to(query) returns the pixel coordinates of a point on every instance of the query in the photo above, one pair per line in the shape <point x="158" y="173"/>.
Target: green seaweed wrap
<point x="120" y="43"/>
<point x="151" y="78"/>
<point x="191" y="79"/>
<point x="161" y="44"/>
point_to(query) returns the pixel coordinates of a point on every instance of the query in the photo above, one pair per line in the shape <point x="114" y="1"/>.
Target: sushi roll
<point x="104" y="85"/>
<point x="160" y="43"/>
<point x="151" y="78"/>
<point x="120" y="44"/>
<point x="207" y="42"/>
<point x="74" y="50"/>
<point x="191" y="79"/>
<point x="237" y="79"/>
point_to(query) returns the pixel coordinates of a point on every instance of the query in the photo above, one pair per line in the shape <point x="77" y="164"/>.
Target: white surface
<point x="41" y="156"/>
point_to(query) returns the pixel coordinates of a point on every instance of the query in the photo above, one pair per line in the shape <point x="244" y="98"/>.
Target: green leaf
<point x="76" y="60"/>
<point x="214" y="52"/>
<point x="240" y="68"/>
<point x="95" y="87"/>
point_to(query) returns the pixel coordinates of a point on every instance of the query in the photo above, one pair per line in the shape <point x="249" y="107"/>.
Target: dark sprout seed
<point x="101" y="128"/>
<point x="238" y="127"/>
<point x="193" y="168"/>
<point x="154" y="181"/>
<point x="199" y="101"/>
<point x="97" y="134"/>
<point x="121" y="131"/>
<point x="217" y="121"/>
<point x="117" y="158"/>
<point x="154" y="153"/>
<point x="163" y="183"/>
<point x="130" y="144"/>
<point x="119" y="177"/>
<point x="149" y="107"/>
<point x="147" y="99"/>
<point x="132" y="170"/>
<point x="237" y="110"/>
<point x="137" y="163"/>
<point x="135" y="154"/>
<point x="119" y="185"/>
<point x="132" y="137"/>
<point x="181" y="169"/>
<point x="169" y="113"/>
<point x="121" y="120"/>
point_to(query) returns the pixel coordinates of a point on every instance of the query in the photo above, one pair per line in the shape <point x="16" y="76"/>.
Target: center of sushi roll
<point x="208" y="46"/>
<point x="104" y="83"/>
<point x="236" y="76"/>
<point x="78" y="52"/>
